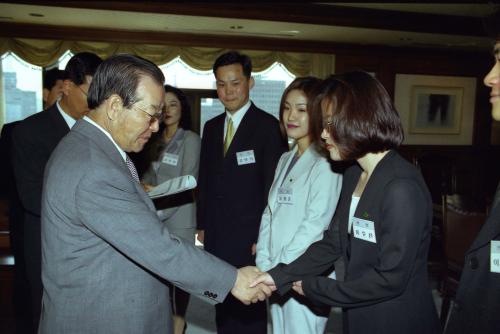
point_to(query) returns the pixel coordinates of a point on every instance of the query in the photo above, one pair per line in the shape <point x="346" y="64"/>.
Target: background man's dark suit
<point x="232" y="197"/>
<point x="8" y="190"/>
<point x="478" y="296"/>
<point x="473" y="311"/>
<point x="34" y="139"/>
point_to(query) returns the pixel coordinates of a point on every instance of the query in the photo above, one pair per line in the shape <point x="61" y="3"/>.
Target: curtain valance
<point x="47" y="52"/>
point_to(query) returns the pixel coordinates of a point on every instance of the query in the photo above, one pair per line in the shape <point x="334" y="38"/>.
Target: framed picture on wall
<point x="436" y="110"/>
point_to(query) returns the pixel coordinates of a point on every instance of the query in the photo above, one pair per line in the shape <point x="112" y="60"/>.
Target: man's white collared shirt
<point x="67" y="118"/>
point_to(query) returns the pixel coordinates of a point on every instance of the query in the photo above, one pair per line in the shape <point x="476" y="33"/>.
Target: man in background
<point x="8" y="190"/>
<point x="476" y="305"/>
<point x="105" y="250"/>
<point x="239" y="152"/>
<point x="53" y="83"/>
<point x="33" y="141"/>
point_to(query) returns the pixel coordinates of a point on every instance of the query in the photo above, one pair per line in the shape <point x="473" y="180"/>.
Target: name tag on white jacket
<point x="245" y="157"/>
<point x="363" y="229"/>
<point x="495" y="256"/>
<point x="170" y="159"/>
<point x="285" y="195"/>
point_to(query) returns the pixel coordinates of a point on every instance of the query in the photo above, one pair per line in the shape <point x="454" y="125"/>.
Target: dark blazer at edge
<point x="478" y="297"/>
<point x="34" y="139"/>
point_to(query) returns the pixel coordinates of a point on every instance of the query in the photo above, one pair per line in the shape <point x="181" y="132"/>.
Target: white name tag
<point x="363" y="229"/>
<point x="285" y="196"/>
<point x="245" y="157"/>
<point x="170" y="159"/>
<point x="495" y="256"/>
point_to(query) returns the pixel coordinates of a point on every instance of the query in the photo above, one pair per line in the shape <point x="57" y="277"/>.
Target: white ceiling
<point x="295" y="32"/>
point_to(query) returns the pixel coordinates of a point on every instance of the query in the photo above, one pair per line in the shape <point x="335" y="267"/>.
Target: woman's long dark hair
<point x="185" y="121"/>
<point x="156" y="144"/>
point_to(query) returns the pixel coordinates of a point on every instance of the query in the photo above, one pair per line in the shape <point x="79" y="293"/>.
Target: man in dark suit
<point x="8" y="190"/>
<point x="53" y="83"/>
<point x="477" y="301"/>
<point x="34" y="139"/>
<point x="239" y="153"/>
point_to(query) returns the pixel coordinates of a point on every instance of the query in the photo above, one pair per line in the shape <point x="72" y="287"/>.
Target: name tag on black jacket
<point x="363" y="229"/>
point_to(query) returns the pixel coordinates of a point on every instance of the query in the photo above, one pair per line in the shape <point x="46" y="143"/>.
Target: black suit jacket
<point x="34" y="139"/>
<point x="385" y="289"/>
<point x="478" y="297"/>
<point x="7" y="185"/>
<point x="232" y="197"/>
<point x="9" y="190"/>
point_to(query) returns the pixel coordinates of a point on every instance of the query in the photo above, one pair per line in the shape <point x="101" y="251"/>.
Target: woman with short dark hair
<point x="382" y="225"/>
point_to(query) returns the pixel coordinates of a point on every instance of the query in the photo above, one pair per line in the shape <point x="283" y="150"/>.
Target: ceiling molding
<point x="310" y="13"/>
<point x="50" y="32"/>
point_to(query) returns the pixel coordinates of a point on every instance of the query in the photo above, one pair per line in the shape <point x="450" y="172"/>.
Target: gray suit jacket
<point x="105" y="250"/>
<point x="178" y="211"/>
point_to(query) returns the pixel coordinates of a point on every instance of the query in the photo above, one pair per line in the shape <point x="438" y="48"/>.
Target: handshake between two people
<point x="252" y="285"/>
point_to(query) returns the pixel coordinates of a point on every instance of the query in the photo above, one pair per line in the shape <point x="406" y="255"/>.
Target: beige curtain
<point x="47" y="52"/>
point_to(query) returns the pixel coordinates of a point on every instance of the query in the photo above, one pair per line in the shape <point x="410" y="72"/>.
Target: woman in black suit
<point x="381" y="228"/>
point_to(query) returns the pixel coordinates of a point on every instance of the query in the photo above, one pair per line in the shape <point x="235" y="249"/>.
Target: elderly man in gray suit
<point x="105" y="252"/>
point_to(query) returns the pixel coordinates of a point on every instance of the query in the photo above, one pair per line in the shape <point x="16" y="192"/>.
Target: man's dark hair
<point x="364" y="119"/>
<point x="234" y="57"/>
<point x="491" y="25"/>
<point x="80" y="65"/>
<point x="185" y="121"/>
<point x="120" y="74"/>
<point x="51" y="76"/>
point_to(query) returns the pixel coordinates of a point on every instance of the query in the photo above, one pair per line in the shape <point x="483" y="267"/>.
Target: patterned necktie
<point x="132" y="169"/>
<point x="229" y="135"/>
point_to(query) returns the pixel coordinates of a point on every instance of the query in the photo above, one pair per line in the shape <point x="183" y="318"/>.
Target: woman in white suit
<point x="301" y="203"/>
<point x="175" y="151"/>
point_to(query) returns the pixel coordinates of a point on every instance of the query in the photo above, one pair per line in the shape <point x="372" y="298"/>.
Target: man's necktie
<point x="132" y="169"/>
<point x="229" y="135"/>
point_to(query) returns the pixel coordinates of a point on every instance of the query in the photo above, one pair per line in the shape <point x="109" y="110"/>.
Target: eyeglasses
<point x="157" y="117"/>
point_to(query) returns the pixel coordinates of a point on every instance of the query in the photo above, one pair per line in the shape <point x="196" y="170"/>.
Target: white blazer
<point x="287" y="230"/>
